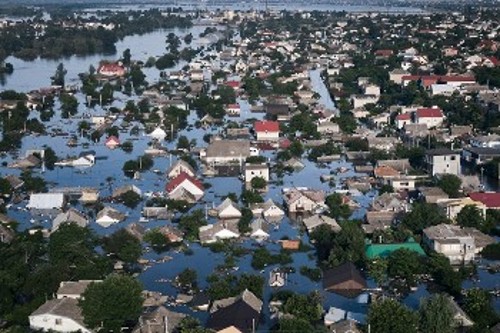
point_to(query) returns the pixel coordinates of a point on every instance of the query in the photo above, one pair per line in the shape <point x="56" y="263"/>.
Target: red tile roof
<point x="384" y="53"/>
<point x="172" y="185"/>
<point x="491" y="200"/>
<point x="403" y="116"/>
<point x="112" y="139"/>
<point x="429" y="113"/>
<point x="233" y="106"/>
<point x="233" y="84"/>
<point x="267" y="126"/>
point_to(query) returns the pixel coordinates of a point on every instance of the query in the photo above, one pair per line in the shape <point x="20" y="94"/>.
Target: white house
<point x="268" y="209"/>
<point x="303" y="199"/>
<point x="108" y="216"/>
<point x="441" y="161"/>
<point x="46" y="201"/>
<point x="84" y="161"/>
<point x="158" y="134"/>
<point x="185" y="187"/>
<point x="256" y="170"/>
<point x="267" y="130"/>
<point x="225" y="152"/>
<point x="260" y="229"/>
<point x="432" y="117"/>
<point x="486" y="141"/>
<point x="59" y="315"/>
<point x="456" y="243"/>
<point x="358" y="101"/>
<point x="179" y="167"/>
<point x="219" y="231"/>
<point x="233" y="110"/>
<point x="228" y="210"/>
<point x="402" y="120"/>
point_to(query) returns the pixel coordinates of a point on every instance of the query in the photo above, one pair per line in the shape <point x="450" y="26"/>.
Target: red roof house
<point x="111" y="69"/>
<point x="185" y="187"/>
<point x="490" y="199"/>
<point x="402" y="120"/>
<point x="428" y="80"/>
<point x="384" y="53"/>
<point x="233" y="84"/>
<point x="267" y="130"/>
<point x="432" y="117"/>
<point x="112" y="142"/>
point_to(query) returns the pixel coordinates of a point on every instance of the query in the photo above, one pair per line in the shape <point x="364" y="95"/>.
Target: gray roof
<point x="64" y="307"/>
<point x="70" y="216"/>
<point x="111" y="212"/>
<point x="6" y="234"/>
<point x="441" y="151"/>
<point x="315" y="221"/>
<point x="158" y="320"/>
<point x="246" y="296"/>
<point x="450" y="232"/>
<point x="74" y="287"/>
<point x="229" y="148"/>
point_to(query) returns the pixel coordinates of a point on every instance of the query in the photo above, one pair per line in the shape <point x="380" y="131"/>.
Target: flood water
<point x="33" y="75"/>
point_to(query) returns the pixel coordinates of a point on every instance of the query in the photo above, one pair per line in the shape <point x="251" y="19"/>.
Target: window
<point x="58" y="321"/>
<point x="453" y="158"/>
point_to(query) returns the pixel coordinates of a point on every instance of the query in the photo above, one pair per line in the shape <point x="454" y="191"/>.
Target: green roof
<point x="384" y="250"/>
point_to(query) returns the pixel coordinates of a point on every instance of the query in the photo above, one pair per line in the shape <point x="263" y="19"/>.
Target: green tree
<point x="477" y="304"/>
<point x="471" y="216"/>
<point x="423" y="215"/>
<point x="251" y="197"/>
<point x="130" y="199"/>
<point x="157" y="240"/>
<point x="5" y="187"/>
<point x="126" y="57"/>
<point x="191" y="224"/>
<point x="389" y="315"/>
<point x="245" y="220"/>
<point x="436" y="314"/>
<point x="444" y="274"/>
<point x="183" y="143"/>
<point x="378" y="270"/>
<point x="258" y="183"/>
<point x="72" y="250"/>
<point x="59" y="75"/>
<point x="296" y="148"/>
<point x="294" y="325"/>
<point x="122" y="245"/>
<point x="450" y="184"/>
<point x="109" y="304"/>
<point x="187" y="279"/>
<point x="404" y="263"/>
<point x="337" y="209"/>
<point x="50" y="158"/>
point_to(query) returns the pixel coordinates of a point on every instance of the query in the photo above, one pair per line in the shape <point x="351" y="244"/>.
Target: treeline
<point x="29" y="40"/>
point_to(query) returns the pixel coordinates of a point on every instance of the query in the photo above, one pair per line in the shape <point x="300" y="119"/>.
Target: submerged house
<point x="240" y="313"/>
<point x="108" y="216"/>
<point x="269" y="210"/>
<point x="303" y="199"/>
<point x="219" y="231"/>
<point x="228" y="210"/>
<point x="185" y="187"/>
<point x="59" y="315"/>
<point x="70" y="216"/>
<point x="345" y="279"/>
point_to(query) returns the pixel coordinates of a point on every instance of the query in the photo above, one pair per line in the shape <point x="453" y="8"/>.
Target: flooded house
<point x="345" y="279"/>
<point x="180" y="166"/>
<point x="303" y="199"/>
<point x="46" y="202"/>
<point x="267" y="130"/>
<point x="158" y="319"/>
<point x="268" y="209"/>
<point x="109" y="216"/>
<point x="316" y="220"/>
<point x="185" y="187"/>
<point x="259" y="229"/>
<point x="241" y="313"/>
<point x="228" y="210"/>
<point x="253" y="170"/>
<point x="221" y="230"/>
<point x="221" y="152"/>
<point x="70" y="216"/>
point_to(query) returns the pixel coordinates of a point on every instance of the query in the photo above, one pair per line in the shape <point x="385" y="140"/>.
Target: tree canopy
<point x="112" y="302"/>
